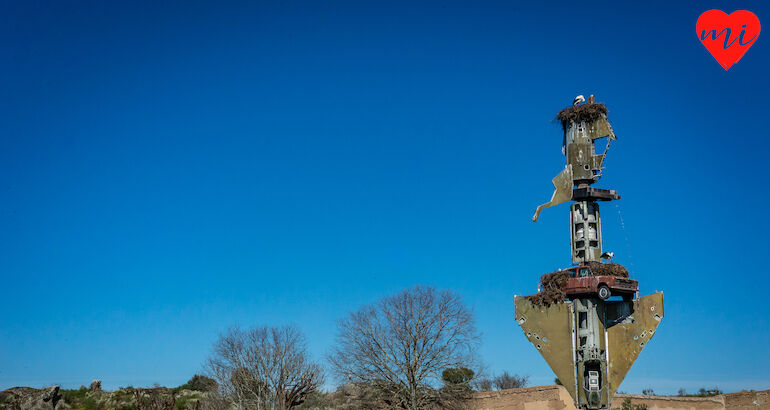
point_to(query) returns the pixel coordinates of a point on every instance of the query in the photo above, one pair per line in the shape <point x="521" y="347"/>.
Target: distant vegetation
<point x="200" y="383"/>
<point x="197" y="394"/>
<point x="703" y="392"/>
<point x="415" y="350"/>
<point x="502" y="381"/>
<point x="627" y="405"/>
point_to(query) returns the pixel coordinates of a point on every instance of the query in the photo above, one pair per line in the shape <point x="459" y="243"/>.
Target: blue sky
<point x="169" y="170"/>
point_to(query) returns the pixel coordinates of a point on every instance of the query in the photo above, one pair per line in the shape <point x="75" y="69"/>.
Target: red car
<point x="583" y="283"/>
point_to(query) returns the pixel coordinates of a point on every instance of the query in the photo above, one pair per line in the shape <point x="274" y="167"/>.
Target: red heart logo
<point x="727" y="36"/>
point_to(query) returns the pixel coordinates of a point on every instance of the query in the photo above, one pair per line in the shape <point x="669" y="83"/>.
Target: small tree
<point x="709" y="392"/>
<point x="264" y="367"/>
<point x="200" y="382"/>
<point x="401" y="344"/>
<point x="483" y="384"/>
<point x="457" y="388"/>
<point x="507" y="381"/>
<point x="461" y="375"/>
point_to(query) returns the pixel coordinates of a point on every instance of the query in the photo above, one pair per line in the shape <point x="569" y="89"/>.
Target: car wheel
<point x="604" y="292"/>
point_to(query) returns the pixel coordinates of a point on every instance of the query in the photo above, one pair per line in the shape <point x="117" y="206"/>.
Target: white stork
<point x="579" y="99"/>
<point x="608" y="255"/>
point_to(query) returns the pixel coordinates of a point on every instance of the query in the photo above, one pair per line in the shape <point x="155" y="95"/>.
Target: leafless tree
<point x="506" y="381"/>
<point x="483" y="384"/>
<point x="264" y="368"/>
<point x="401" y="344"/>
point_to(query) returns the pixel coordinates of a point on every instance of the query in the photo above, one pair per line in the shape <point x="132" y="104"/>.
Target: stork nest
<point x="581" y="113"/>
<point x="551" y="289"/>
<point x="607" y="269"/>
<point x="552" y="284"/>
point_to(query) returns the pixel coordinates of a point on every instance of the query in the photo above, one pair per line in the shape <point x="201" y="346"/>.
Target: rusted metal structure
<point x="590" y="342"/>
<point x="584" y="127"/>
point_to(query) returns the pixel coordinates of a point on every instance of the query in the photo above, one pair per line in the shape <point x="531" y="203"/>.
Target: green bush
<point x="457" y="376"/>
<point x="80" y="399"/>
<point x="709" y="392"/>
<point x="200" y="382"/>
<point x="627" y="405"/>
<point x="90" y="403"/>
<point x="73" y="396"/>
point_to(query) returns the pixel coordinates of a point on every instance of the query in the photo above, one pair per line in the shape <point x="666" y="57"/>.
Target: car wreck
<point x="584" y="282"/>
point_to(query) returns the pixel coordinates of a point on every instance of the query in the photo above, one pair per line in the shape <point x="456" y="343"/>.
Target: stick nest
<point x="581" y="113"/>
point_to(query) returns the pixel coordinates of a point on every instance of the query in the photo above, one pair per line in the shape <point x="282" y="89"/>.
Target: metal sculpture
<point x="589" y="340"/>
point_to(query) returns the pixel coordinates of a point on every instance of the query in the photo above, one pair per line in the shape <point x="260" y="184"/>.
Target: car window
<point x="583" y="272"/>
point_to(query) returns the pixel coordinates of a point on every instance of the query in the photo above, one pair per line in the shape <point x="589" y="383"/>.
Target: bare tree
<point x="483" y="384"/>
<point x="506" y="381"/>
<point x="264" y="368"/>
<point x="401" y="344"/>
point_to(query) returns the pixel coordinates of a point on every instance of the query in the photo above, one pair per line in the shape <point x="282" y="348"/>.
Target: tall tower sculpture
<point x="584" y="126"/>
<point x="589" y="340"/>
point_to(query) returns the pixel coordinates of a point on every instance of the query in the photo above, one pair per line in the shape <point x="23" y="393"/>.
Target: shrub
<point x="627" y="405"/>
<point x="709" y="392"/>
<point x="703" y="392"/>
<point x="185" y="401"/>
<point x="73" y="396"/>
<point x="200" y="383"/>
<point x="459" y="375"/>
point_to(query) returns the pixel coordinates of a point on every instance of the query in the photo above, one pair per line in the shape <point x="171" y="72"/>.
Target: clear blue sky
<point x="169" y="170"/>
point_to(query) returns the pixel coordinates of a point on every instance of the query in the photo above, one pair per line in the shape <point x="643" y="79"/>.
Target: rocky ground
<point x="156" y="398"/>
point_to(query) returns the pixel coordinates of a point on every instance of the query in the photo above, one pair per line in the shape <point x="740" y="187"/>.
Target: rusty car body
<point x="583" y="283"/>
